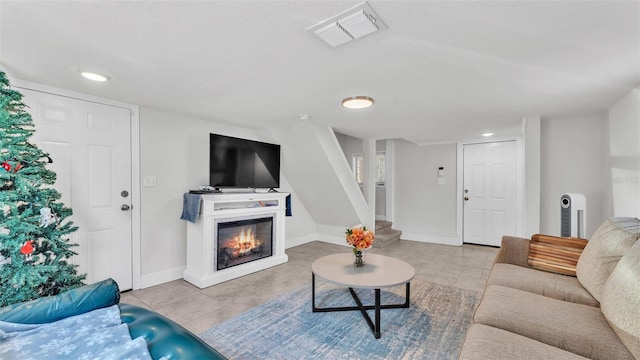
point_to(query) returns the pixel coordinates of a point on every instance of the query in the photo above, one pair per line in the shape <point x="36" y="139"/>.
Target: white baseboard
<point x="381" y="217"/>
<point x="327" y="238"/>
<point x="332" y="239"/>
<point x="454" y="240"/>
<point x="331" y="234"/>
<point x="161" y="277"/>
<point x="300" y="240"/>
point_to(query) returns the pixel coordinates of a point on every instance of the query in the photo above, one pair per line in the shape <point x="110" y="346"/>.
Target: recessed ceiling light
<point x="357" y="102"/>
<point x="487" y="134"/>
<point x="94" y="76"/>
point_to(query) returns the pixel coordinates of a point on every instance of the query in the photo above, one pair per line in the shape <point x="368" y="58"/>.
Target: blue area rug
<point x="285" y="328"/>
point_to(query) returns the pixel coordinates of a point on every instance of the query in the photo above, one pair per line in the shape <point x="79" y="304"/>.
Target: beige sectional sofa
<point x="527" y="313"/>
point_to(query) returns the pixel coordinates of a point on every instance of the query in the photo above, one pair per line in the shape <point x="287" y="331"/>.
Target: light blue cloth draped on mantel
<point x="288" y="205"/>
<point x="190" y="207"/>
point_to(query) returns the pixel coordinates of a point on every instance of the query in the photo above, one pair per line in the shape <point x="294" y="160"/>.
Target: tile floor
<point x="199" y="309"/>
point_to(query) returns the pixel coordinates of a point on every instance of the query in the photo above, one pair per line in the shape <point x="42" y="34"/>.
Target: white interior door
<point x="489" y="192"/>
<point x="90" y="145"/>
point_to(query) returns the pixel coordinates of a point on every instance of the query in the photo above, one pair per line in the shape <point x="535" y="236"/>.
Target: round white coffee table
<point x="378" y="272"/>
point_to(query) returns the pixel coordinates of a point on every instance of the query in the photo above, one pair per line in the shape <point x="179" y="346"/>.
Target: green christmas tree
<point x="34" y="236"/>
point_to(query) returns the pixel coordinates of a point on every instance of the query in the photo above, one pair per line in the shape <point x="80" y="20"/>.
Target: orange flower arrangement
<point x="360" y="238"/>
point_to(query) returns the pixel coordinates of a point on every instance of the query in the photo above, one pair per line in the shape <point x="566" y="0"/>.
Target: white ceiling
<point x="443" y="70"/>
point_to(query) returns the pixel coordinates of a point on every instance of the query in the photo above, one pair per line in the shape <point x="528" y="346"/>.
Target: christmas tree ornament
<point x="46" y="217"/>
<point x="27" y="250"/>
<point x="8" y="167"/>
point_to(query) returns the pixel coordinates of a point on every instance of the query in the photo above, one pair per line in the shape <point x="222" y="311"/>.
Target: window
<point x="380" y="169"/>
<point x="358" y="168"/>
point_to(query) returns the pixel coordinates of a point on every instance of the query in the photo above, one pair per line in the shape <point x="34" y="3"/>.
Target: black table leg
<point x="376" y="332"/>
<point x="375" y="327"/>
<point x="313" y="292"/>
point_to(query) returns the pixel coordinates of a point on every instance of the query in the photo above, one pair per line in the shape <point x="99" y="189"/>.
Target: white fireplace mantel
<point x="202" y="236"/>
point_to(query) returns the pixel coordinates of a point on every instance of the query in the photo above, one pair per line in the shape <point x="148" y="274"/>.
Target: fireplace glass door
<point x="244" y="241"/>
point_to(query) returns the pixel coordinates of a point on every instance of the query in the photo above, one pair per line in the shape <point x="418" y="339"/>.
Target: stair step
<point x="381" y="225"/>
<point x="386" y="237"/>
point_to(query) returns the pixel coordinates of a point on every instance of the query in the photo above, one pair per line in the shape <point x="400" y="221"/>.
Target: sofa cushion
<point x="577" y="328"/>
<point x="561" y="287"/>
<point x="605" y="248"/>
<point x="621" y="299"/>
<point x="485" y="342"/>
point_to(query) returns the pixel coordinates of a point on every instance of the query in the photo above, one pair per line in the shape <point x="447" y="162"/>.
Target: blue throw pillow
<point x="69" y="303"/>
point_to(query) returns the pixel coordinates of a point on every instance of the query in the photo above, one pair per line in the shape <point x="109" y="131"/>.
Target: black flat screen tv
<point x="242" y="163"/>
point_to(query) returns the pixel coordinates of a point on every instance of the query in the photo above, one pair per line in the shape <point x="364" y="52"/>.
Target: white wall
<point x="351" y="145"/>
<point x="531" y="187"/>
<point x="321" y="176"/>
<point x="175" y="149"/>
<point x="424" y="210"/>
<point x="571" y="158"/>
<point x="300" y="228"/>
<point x="623" y="162"/>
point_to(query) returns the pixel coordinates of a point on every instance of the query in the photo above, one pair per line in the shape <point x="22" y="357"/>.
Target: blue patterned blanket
<point x="98" y="334"/>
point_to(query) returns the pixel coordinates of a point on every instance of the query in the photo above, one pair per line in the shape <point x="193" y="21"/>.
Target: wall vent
<point x="352" y="24"/>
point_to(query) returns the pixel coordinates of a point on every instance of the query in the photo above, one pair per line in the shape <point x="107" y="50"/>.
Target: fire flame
<point x="244" y="243"/>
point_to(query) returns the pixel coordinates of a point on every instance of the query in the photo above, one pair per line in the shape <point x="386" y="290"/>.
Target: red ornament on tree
<point x="6" y="166"/>
<point x="27" y="250"/>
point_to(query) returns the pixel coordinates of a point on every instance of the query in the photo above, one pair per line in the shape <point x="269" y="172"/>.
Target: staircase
<point x="385" y="235"/>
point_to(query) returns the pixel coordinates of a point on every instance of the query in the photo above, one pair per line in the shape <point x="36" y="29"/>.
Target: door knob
<point x="125" y="207"/>
<point x="466" y="198"/>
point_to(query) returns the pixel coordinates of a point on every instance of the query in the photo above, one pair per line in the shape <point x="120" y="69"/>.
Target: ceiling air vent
<point x="349" y="25"/>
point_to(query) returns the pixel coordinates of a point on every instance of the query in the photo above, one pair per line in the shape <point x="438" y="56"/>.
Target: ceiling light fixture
<point x="357" y="102"/>
<point x="94" y="76"/>
<point x="487" y="134"/>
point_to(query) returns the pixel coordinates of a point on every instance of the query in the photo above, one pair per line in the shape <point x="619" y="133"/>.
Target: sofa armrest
<point x="542" y="252"/>
<point x="69" y="303"/>
<point x="165" y="338"/>
<point x="513" y="250"/>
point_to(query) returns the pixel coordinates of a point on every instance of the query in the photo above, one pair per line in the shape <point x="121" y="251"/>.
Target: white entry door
<point x="90" y="145"/>
<point x="489" y="192"/>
